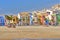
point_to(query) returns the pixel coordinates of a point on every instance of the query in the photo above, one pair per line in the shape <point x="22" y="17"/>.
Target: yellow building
<point x="14" y="19"/>
<point x="24" y="17"/>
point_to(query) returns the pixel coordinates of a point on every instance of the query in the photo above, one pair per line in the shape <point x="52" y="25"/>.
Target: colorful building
<point x="39" y="17"/>
<point x="52" y="16"/>
<point x="58" y="17"/>
<point x="2" y="21"/>
<point x="35" y="19"/>
<point x="15" y="19"/>
<point x="24" y="18"/>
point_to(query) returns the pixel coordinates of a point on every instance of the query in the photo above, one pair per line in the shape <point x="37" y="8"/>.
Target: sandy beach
<point x="29" y="32"/>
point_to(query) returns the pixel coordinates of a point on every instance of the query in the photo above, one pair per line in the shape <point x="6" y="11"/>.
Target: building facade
<point x="24" y="18"/>
<point x="2" y="21"/>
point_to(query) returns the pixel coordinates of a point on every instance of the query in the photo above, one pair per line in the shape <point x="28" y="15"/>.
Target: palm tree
<point x="9" y="18"/>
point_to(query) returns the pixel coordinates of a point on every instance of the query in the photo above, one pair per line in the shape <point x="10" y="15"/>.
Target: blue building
<point x="2" y="21"/>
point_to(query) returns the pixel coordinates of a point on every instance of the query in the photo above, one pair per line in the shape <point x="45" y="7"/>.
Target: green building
<point x="58" y="17"/>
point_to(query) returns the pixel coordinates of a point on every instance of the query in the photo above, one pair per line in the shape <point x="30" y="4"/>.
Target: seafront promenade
<point x="29" y="32"/>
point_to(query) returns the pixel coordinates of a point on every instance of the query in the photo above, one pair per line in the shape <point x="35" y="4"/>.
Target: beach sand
<point x="29" y="32"/>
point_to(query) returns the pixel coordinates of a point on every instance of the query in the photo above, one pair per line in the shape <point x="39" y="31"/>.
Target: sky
<point x="16" y="6"/>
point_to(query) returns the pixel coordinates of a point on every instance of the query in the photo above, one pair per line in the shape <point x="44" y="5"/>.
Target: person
<point x="46" y="20"/>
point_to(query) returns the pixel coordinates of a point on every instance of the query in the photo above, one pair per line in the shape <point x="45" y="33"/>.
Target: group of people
<point x="48" y="19"/>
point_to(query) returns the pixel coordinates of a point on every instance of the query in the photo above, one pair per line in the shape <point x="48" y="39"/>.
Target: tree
<point x="8" y="17"/>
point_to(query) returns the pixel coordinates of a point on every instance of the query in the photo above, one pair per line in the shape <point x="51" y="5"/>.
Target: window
<point x="13" y="19"/>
